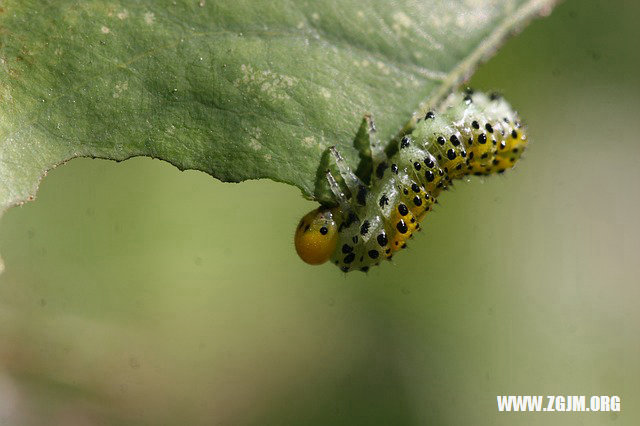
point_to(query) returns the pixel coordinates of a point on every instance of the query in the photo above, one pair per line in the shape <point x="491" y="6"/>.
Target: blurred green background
<point x="135" y="294"/>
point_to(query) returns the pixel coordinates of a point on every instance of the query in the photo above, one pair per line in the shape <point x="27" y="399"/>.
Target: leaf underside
<point x="237" y="89"/>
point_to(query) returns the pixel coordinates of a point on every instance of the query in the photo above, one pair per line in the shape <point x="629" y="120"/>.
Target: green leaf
<point x="238" y="89"/>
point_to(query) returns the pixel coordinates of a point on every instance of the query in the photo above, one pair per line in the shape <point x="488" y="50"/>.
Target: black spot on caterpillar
<point x="472" y="134"/>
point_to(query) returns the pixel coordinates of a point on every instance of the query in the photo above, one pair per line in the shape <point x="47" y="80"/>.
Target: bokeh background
<point x="136" y="294"/>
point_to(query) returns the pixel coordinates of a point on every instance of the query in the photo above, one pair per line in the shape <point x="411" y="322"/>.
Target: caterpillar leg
<point x="350" y="179"/>
<point x="370" y="149"/>
<point x="341" y="198"/>
<point x="375" y="147"/>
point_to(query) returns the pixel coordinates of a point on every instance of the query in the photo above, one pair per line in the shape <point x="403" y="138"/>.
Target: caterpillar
<point x="471" y="133"/>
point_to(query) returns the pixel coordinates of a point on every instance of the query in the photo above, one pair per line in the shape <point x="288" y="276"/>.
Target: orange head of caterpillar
<point x="316" y="236"/>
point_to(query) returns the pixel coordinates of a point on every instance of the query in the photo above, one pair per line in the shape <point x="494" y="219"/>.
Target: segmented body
<point x="473" y="134"/>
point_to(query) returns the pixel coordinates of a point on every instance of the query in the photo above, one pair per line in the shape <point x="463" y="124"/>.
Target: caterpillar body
<point x="472" y="133"/>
